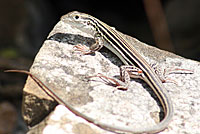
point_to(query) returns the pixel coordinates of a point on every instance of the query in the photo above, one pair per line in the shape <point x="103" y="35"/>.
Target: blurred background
<point x="172" y="25"/>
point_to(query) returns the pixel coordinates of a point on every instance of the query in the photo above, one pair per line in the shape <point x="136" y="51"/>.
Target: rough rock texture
<point x="65" y="71"/>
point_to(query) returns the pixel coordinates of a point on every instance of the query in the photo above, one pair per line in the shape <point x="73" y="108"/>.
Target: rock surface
<point x="66" y="71"/>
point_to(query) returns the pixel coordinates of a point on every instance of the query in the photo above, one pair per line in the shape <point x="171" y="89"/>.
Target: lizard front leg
<point x="95" y="47"/>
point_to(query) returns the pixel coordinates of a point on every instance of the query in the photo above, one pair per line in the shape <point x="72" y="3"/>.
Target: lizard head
<point x="82" y="21"/>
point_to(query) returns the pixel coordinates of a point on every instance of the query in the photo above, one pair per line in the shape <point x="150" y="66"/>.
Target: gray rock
<point x="66" y="72"/>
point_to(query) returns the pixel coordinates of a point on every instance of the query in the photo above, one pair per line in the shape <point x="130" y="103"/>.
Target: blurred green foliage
<point x="9" y="53"/>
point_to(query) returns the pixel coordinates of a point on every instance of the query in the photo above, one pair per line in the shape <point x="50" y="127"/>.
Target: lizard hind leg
<point x="163" y="74"/>
<point x="126" y="73"/>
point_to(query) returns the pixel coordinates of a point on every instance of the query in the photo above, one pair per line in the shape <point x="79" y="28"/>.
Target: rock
<point x="66" y="72"/>
<point x="36" y="104"/>
<point x="8" y="118"/>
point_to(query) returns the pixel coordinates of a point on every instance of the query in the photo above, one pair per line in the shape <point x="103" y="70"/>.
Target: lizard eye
<point x="76" y="17"/>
